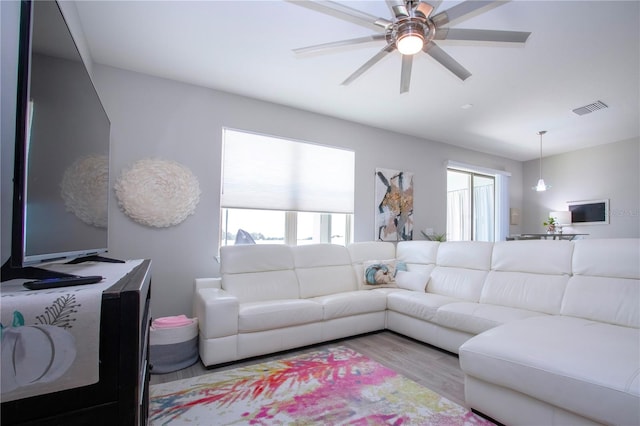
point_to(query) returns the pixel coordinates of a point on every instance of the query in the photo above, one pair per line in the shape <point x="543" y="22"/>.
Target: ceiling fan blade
<point x="333" y="44"/>
<point x="424" y="9"/>
<point x="447" y="61"/>
<point x="371" y="62"/>
<point x="405" y="75"/>
<point x="338" y="10"/>
<point x="398" y="8"/>
<point x="435" y="4"/>
<point x="481" y="35"/>
<point x="462" y="10"/>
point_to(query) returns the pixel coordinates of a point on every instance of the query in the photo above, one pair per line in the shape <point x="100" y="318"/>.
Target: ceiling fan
<point x="412" y="29"/>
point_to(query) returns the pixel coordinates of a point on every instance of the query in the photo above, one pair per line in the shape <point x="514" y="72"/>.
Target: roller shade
<point x="269" y="173"/>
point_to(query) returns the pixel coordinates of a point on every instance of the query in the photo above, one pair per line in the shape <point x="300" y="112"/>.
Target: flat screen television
<point x="61" y="169"/>
<point x="590" y="212"/>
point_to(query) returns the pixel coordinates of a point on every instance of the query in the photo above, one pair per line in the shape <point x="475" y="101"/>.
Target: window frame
<point x="501" y="194"/>
<point x="261" y="172"/>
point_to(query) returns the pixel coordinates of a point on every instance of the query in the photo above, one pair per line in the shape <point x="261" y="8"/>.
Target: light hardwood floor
<point x="433" y="368"/>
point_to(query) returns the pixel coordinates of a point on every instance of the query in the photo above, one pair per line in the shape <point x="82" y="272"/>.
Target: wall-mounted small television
<point x="590" y="212"/>
<point x="61" y="167"/>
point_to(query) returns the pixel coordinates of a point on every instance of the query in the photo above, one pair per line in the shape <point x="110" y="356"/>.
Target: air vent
<point x="587" y="109"/>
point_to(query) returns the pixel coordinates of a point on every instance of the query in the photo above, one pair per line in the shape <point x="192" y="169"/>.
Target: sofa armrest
<point x="217" y="312"/>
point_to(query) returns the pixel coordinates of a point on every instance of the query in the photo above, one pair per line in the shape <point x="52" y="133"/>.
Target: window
<point x="331" y="228"/>
<point x="263" y="226"/>
<point x="470" y="206"/>
<point x="279" y="227"/>
<point x="281" y="191"/>
<point x="477" y="203"/>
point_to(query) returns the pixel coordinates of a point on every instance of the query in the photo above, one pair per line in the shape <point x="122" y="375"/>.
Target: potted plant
<point x="551" y="225"/>
<point x="435" y="237"/>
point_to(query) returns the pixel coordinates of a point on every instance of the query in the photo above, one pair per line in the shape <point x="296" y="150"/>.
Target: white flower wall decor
<point x="85" y="189"/>
<point x="157" y="193"/>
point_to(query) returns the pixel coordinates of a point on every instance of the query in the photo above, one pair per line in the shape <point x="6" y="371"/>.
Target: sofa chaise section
<point x="579" y="366"/>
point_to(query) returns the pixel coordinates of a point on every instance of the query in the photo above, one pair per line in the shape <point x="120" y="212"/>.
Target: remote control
<point x="62" y="282"/>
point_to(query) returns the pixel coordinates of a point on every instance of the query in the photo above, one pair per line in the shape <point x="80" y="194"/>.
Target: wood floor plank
<point x="432" y="367"/>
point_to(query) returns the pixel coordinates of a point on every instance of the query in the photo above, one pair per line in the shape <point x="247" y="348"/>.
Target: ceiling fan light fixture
<point x="410" y="40"/>
<point x="412" y="28"/>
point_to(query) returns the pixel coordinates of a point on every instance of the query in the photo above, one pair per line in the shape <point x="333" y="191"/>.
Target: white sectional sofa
<point x="548" y="332"/>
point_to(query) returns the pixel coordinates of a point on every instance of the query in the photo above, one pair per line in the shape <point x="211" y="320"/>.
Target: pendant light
<point x="541" y="186"/>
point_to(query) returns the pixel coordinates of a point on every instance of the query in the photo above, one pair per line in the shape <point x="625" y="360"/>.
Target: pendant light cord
<point x="540" y="162"/>
<point x="541" y="132"/>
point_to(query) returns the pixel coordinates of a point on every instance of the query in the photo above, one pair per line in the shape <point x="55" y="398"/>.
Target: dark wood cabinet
<point x="121" y="396"/>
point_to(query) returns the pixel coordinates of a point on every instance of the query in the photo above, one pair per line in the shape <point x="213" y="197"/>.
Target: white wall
<point x="153" y="117"/>
<point x="71" y="17"/>
<point x="607" y="171"/>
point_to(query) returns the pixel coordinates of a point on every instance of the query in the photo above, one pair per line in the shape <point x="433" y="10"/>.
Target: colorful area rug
<point x="337" y="386"/>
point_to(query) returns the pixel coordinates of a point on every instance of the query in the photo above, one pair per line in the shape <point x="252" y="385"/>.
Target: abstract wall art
<point x="394" y="205"/>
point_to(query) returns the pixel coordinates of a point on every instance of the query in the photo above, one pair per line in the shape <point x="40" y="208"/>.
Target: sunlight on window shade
<point x="264" y="172"/>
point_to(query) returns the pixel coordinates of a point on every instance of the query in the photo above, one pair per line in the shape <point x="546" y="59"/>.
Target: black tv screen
<point x="589" y="212"/>
<point x="61" y="170"/>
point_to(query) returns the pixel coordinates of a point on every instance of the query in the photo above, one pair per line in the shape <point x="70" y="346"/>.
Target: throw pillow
<point x="380" y="273"/>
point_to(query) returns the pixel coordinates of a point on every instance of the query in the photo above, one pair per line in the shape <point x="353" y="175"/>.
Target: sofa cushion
<point x="459" y="283"/>
<point x="417" y="252"/>
<point x="606" y="282"/>
<point x="262" y="286"/>
<point x="418" y="305"/>
<point x="258" y="272"/>
<point x="255" y="258"/>
<point x="412" y="280"/>
<point x="523" y="290"/>
<point x="529" y="274"/>
<point x="616" y="257"/>
<point x="476" y="318"/>
<point x="461" y="269"/>
<point x="420" y="258"/>
<point x="611" y="300"/>
<point x="465" y="254"/>
<point x="259" y="316"/>
<point x="323" y="269"/>
<point x="368" y="250"/>
<point x="325" y="280"/>
<point x="586" y="367"/>
<point x="351" y="303"/>
<point x="547" y="257"/>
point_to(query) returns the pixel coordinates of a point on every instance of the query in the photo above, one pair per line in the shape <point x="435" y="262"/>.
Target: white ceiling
<point x="579" y="52"/>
